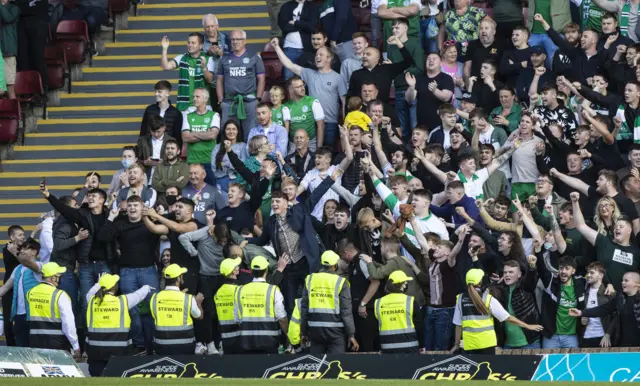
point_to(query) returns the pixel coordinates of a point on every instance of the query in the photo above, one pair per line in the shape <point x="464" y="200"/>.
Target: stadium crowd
<point x="455" y="181"/>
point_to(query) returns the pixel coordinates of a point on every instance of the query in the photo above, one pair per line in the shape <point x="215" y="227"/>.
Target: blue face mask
<point x="547" y="245"/>
<point x="126" y="163"/>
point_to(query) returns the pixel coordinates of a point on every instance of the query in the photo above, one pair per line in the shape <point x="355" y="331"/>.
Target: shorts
<point x="10" y="70"/>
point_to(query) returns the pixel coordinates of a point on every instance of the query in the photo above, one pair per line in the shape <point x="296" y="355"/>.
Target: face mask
<point x="547" y="245"/>
<point x="171" y="200"/>
<point x="126" y="163"/>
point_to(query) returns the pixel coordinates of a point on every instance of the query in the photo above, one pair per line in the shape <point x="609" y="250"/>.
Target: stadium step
<point x="88" y="130"/>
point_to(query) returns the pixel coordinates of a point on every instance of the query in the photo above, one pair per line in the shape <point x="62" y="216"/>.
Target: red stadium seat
<point x="73" y="37"/>
<point x="9" y="120"/>
<point x="29" y="90"/>
<point x="117" y="7"/>
<point x="272" y="68"/>
<point x="57" y="68"/>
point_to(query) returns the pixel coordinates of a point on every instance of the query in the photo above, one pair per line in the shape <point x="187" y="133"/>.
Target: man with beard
<point x="195" y="68"/>
<point x="617" y="254"/>
<point x="172" y="171"/>
<point x="526" y="75"/>
<point x="518" y="297"/>
<point x="586" y="61"/>
<point x="552" y="111"/>
<point x="301" y="159"/>
<point x="483" y="48"/>
<point x="163" y="107"/>
<point x="626" y="304"/>
<point x="308" y="58"/>
<point x="606" y="186"/>
<point x="276" y="134"/>
<point x="563" y="291"/>
<point x="137" y="261"/>
<point x="203" y="195"/>
<point x="431" y="90"/>
<point x="380" y="74"/>
<point x="136" y="187"/>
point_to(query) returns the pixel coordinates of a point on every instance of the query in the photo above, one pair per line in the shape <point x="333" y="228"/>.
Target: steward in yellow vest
<point x="474" y="315"/>
<point x="326" y="313"/>
<point x="259" y="308"/>
<point x="225" y="299"/>
<point x="399" y="318"/>
<point x="172" y="311"/>
<point x="108" y="321"/>
<point x="47" y="309"/>
<point x="294" y="326"/>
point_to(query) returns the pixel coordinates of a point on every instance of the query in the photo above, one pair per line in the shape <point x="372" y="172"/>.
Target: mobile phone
<point x="155" y="159"/>
<point x="43" y="180"/>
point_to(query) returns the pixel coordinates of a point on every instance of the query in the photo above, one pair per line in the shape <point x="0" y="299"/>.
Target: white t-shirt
<point x="293" y="39"/>
<point x="430" y="223"/>
<point x="473" y="186"/>
<point x="495" y="309"/>
<point x="594" y="326"/>
<point x="311" y="181"/>
<point x="485" y="138"/>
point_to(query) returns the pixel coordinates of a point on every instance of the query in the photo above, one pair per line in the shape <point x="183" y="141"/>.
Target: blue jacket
<point x="300" y="219"/>
<point x="448" y="210"/>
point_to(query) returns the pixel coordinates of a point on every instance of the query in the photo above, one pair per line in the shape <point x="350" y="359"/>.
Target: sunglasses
<point x="449" y="43"/>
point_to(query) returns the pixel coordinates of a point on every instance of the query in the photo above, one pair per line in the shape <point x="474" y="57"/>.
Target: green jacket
<point x="9" y="15"/>
<point x="513" y="117"/>
<point x="382" y="271"/>
<point x="560" y="14"/>
<point x="166" y="176"/>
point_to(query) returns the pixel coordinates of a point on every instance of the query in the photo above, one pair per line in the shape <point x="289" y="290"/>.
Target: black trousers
<point x="33" y="34"/>
<point x="7" y="301"/>
<point x="206" y="329"/>
<point x="366" y="330"/>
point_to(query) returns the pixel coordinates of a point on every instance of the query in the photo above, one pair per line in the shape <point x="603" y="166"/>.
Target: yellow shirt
<point x="357" y="118"/>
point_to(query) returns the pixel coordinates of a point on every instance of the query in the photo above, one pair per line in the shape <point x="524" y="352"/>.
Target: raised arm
<point x="433" y="169"/>
<point x="154" y="228"/>
<point x="587" y="232"/>
<point x="165" y="63"/>
<point x="504" y="157"/>
<point x="607" y="137"/>
<point x="573" y="182"/>
<point x="296" y="69"/>
<point x="527" y="220"/>
<point x="346" y="147"/>
<point x="377" y="145"/>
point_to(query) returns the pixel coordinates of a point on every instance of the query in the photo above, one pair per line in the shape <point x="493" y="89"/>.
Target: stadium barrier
<point x="18" y="362"/>
<point x="511" y="365"/>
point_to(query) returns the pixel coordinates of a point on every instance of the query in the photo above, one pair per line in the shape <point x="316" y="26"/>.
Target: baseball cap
<point x="398" y="277"/>
<point x="474" y="276"/>
<point x="108" y="280"/>
<point x="329" y="258"/>
<point x="259" y="263"/>
<point x="537" y="50"/>
<point x="173" y="271"/>
<point x="466" y="97"/>
<point x="228" y="265"/>
<point x="52" y="269"/>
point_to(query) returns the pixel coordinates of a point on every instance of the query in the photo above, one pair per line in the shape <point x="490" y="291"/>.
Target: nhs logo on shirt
<point x="237" y="71"/>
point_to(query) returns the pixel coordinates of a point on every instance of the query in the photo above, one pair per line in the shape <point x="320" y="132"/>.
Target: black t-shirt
<point x="477" y="53"/>
<point x="237" y="218"/>
<point x="178" y="254"/>
<point x="428" y="104"/>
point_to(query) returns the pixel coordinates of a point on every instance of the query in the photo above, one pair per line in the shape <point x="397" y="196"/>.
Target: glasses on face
<point x="543" y="181"/>
<point x="604" y="205"/>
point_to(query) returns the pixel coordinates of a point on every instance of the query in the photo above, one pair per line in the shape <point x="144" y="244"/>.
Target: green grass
<point x="253" y="382"/>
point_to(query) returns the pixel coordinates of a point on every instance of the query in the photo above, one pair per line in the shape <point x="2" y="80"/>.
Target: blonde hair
<point x="364" y="214"/>
<point x="477" y="300"/>
<point x="255" y="143"/>
<point x="602" y="226"/>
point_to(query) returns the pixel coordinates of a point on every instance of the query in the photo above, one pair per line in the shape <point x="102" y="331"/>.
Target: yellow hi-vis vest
<point x="225" y="302"/>
<point x="45" y="323"/>
<point x="395" y="323"/>
<point x="294" y="324"/>
<point x="324" y="300"/>
<point x="108" y="325"/>
<point x="171" y="311"/>
<point x="477" y="329"/>
<point x="259" y="329"/>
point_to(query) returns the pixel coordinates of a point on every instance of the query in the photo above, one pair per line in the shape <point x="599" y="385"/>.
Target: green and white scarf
<point x="190" y="77"/>
<point x="624" y="19"/>
<point x="626" y="132"/>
